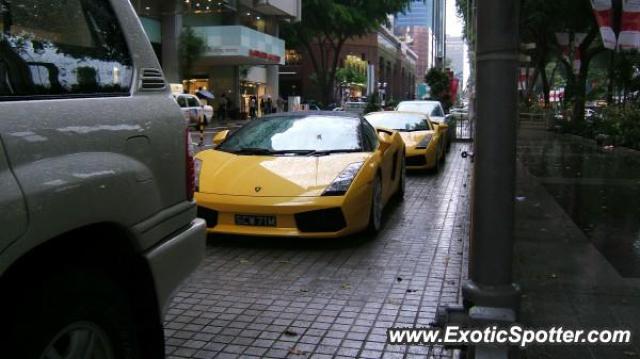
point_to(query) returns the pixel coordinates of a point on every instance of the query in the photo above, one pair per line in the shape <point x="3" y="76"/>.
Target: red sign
<point x="264" y="55"/>
<point x="630" y="27"/>
<point x="603" y="13"/>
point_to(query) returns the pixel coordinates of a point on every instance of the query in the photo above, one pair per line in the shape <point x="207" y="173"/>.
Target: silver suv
<point x="97" y="221"/>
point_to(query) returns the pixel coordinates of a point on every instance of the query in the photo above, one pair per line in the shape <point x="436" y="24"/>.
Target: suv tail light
<point x="190" y="170"/>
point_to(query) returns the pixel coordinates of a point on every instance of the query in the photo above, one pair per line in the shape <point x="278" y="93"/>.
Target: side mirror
<point x="219" y="137"/>
<point x="384" y="137"/>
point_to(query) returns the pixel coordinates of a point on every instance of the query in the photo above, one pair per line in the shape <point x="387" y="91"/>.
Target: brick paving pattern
<point x="277" y="298"/>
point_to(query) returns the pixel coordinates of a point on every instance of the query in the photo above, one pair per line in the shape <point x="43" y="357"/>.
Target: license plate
<point x="257" y="221"/>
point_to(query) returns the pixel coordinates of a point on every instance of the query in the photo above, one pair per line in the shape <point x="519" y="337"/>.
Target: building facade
<point x="394" y="63"/>
<point x="422" y="14"/>
<point x="420" y="40"/>
<point x="455" y="55"/>
<point x="242" y="53"/>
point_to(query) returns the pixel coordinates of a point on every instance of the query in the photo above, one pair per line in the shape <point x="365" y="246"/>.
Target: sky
<point x="454" y="28"/>
<point x="454" y="23"/>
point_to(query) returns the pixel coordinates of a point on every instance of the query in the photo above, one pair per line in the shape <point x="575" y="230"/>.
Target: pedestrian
<point x="280" y="104"/>
<point x="268" y="105"/>
<point x="222" y="107"/>
<point x="253" y="107"/>
<point x="262" y="107"/>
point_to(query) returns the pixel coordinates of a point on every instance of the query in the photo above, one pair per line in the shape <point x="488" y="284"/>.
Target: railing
<point x="462" y="124"/>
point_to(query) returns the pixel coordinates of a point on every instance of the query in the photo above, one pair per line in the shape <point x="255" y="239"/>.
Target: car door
<point x="195" y="108"/>
<point x="388" y="161"/>
<point x="13" y="211"/>
<point x="79" y="122"/>
<point x="442" y="127"/>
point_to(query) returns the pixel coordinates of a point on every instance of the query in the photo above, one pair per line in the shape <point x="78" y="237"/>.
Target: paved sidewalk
<point x="566" y="280"/>
<point x="265" y="298"/>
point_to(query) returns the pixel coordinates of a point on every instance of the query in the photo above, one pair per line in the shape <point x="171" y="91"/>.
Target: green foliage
<point x="350" y="75"/>
<point x="328" y="24"/>
<point x="439" y="83"/>
<point x="614" y="125"/>
<point x="192" y="47"/>
<point x="373" y="103"/>
<point x="464" y="10"/>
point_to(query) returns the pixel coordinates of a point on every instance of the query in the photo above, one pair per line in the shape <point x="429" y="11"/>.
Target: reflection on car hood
<point x="411" y="139"/>
<point x="271" y="176"/>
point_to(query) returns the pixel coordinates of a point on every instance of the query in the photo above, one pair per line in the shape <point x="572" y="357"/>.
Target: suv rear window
<point x="62" y="47"/>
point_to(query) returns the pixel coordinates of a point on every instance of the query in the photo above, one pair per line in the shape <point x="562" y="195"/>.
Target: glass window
<point x="417" y="106"/>
<point x="399" y="121"/>
<point x="62" y="47"/>
<point x="370" y="135"/>
<point x="182" y="101"/>
<point x="297" y="133"/>
<point x="437" y="111"/>
<point x="193" y="102"/>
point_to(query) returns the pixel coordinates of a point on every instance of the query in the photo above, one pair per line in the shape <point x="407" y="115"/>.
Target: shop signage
<point x="264" y="55"/>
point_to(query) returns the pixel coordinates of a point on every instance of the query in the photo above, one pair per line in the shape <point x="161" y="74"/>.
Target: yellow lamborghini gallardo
<point x="313" y="174"/>
<point x="424" y="139"/>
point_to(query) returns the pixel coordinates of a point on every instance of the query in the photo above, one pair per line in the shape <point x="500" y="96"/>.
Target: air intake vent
<point x="152" y="80"/>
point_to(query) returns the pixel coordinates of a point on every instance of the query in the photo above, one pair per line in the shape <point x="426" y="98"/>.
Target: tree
<point x="439" y="83"/>
<point x="539" y="21"/>
<point x="191" y="49"/>
<point x="328" y="24"/>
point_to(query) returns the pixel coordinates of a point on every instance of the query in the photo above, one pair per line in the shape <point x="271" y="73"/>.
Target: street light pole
<point x="491" y="256"/>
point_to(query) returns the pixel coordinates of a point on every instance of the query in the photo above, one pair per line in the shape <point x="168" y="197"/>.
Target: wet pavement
<point x="278" y="298"/>
<point x="598" y="188"/>
<point x="569" y="279"/>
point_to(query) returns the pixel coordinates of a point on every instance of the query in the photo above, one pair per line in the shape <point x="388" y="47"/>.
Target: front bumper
<point x="175" y="258"/>
<point x="354" y="207"/>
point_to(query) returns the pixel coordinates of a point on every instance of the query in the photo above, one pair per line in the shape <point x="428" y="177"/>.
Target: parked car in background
<point x="436" y="113"/>
<point x="354" y="107"/>
<point x="424" y="140"/>
<point x="192" y="110"/>
<point x="305" y="174"/>
<point x="96" y="184"/>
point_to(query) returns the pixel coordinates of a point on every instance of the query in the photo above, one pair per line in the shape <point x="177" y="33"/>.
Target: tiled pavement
<point x="266" y="298"/>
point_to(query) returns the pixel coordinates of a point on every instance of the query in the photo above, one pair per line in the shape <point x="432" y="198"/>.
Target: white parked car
<point x="434" y="110"/>
<point x="431" y="108"/>
<point x="192" y="110"/>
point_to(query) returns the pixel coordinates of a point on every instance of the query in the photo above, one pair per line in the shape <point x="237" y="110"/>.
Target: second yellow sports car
<point x="424" y="140"/>
<point x="314" y="174"/>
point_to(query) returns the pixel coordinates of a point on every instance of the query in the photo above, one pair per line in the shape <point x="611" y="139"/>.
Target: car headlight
<point x="197" y="166"/>
<point x="425" y="142"/>
<point x="341" y="184"/>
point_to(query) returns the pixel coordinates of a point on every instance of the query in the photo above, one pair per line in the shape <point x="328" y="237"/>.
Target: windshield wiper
<point x="328" y="152"/>
<point x="266" y="151"/>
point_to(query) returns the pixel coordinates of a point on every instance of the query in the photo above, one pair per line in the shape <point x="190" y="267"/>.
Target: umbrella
<point x="204" y="94"/>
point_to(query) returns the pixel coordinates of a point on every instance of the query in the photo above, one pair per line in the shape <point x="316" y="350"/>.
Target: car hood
<point x="411" y="139"/>
<point x="271" y="176"/>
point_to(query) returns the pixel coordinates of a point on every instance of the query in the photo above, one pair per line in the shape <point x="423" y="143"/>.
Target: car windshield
<point x="303" y="135"/>
<point x="422" y="107"/>
<point x="399" y="121"/>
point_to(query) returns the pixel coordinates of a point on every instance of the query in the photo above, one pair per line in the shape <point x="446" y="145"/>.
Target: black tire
<point x="88" y="307"/>
<point x="375" y="212"/>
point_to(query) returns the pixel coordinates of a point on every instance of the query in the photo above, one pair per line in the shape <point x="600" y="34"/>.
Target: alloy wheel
<point x="79" y="340"/>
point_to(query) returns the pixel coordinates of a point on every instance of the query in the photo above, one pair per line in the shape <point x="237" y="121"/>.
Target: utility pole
<point x="490" y="296"/>
<point x="495" y="156"/>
